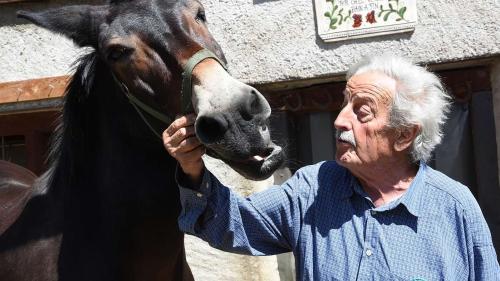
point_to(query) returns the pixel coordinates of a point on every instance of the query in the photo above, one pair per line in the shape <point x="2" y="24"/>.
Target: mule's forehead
<point x="126" y="19"/>
<point x="151" y="8"/>
<point x="174" y="27"/>
<point x="138" y="23"/>
<point x="148" y="19"/>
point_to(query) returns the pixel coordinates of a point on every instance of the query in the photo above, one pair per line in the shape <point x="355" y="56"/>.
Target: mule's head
<point x="146" y="45"/>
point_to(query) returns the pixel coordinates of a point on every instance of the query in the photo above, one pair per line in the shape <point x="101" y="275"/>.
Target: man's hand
<point x="181" y="143"/>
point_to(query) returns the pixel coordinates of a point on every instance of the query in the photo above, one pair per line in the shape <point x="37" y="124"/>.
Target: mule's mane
<point x="91" y="99"/>
<point x="67" y="145"/>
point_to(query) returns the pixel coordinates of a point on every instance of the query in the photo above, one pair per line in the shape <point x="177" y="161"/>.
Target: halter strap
<point x="187" y="85"/>
<point x="186" y="91"/>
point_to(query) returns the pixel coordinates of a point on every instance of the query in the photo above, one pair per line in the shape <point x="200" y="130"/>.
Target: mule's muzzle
<point x="231" y="122"/>
<point x="259" y="167"/>
<point x="254" y="106"/>
<point x="249" y="108"/>
<point x="255" y="167"/>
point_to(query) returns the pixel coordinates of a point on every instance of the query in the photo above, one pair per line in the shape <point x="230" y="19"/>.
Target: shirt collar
<point x="414" y="196"/>
<point x="411" y="199"/>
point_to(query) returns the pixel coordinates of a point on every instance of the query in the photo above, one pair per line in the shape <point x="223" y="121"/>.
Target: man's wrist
<point x="191" y="176"/>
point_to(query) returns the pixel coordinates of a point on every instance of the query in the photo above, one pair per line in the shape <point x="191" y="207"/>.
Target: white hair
<point x="420" y="99"/>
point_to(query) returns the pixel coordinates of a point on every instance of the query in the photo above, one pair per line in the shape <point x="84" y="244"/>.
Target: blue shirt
<point x="435" y="231"/>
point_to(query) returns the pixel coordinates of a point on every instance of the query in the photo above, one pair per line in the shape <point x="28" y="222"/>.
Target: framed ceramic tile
<point x="346" y="19"/>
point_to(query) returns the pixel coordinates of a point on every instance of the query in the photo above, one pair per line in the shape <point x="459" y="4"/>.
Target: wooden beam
<point x="16" y="1"/>
<point x="460" y="83"/>
<point x="26" y="123"/>
<point x="32" y="90"/>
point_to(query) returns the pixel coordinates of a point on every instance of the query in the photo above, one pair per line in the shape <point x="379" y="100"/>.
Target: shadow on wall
<point x="257" y="2"/>
<point x="8" y="11"/>
<point x="383" y="40"/>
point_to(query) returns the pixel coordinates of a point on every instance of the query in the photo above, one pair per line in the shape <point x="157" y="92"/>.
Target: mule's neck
<point x="126" y="155"/>
<point x="121" y="202"/>
<point x="107" y="152"/>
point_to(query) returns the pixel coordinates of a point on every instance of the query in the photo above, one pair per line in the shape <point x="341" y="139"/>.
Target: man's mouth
<point x="344" y="142"/>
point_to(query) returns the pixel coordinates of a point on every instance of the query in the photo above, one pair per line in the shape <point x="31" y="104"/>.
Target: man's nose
<point x="342" y="121"/>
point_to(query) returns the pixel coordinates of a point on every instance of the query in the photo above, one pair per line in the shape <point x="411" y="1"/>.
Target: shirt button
<point x="207" y="185"/>
<point x="369" y="252"/>
<point x="199" y="195"/>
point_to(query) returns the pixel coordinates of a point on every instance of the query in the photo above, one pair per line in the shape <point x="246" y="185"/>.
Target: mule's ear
<point x="79" y="23"/>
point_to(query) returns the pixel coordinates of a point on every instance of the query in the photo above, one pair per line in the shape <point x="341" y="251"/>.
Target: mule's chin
<point x="255" y="167"/>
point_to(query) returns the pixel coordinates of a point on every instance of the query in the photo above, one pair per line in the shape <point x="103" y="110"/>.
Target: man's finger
<point x="183" y="121"/>
<point x="181" y="135"/>
<point x="188" y="144"/>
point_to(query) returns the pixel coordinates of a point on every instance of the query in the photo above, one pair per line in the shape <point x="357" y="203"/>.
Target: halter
<point x="186" y="91"/>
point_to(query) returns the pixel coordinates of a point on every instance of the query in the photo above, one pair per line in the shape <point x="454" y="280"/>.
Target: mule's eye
<point x="201" y="16"/>
<point x="116" y="53"/>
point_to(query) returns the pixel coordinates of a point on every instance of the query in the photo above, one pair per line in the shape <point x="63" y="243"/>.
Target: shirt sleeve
<point x="484" y="264"/>
<point x="264" y="223"/>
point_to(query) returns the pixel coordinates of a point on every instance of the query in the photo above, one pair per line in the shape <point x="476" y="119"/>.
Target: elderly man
<point x="376" y="213"/>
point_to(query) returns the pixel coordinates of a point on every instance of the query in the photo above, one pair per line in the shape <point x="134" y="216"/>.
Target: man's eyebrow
<point x="364" y="97"/>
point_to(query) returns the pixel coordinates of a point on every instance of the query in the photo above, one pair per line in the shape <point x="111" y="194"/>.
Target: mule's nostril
<point x="255" y="105"/>
<point x="211" y="129"/>
<point x="252" y="107"/>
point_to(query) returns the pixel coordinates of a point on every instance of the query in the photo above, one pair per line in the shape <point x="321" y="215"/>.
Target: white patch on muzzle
<point x="214" y="90"/>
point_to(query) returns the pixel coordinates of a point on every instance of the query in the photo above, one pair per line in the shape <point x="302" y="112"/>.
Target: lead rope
<point x="186" y="91"/>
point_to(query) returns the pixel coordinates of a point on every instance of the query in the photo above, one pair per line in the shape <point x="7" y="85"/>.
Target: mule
<point x="107" y="207"/>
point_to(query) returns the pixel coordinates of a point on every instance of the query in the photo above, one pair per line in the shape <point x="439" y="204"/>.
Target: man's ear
<point x="79" y="23"/>
<point x="405" y="137"/>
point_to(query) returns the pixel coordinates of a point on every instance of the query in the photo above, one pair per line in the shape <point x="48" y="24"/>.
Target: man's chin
<point x="344" y="159"/>
<point x="340" y="162"/>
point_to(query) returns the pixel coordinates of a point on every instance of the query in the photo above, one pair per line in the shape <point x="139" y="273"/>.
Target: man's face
<point x="362" y="134"/>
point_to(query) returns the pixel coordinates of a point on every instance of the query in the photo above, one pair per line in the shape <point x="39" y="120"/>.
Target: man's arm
<point x="258" y="225"/>
<point x="261" y="224"/>
<point x="484" y="263"/>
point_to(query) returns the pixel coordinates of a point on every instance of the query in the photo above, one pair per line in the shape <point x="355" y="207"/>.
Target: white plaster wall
<point x="270" y="41"/>
<point x="275" y="40"/>
<point x="28" y="52"/>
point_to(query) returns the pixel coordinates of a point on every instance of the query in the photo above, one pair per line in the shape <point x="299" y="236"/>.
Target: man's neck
<point x="386" y="182"/>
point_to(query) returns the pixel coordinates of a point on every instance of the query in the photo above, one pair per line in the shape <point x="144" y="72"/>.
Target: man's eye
<point x="363" y="111"/>
<point x="201" y="16"/>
